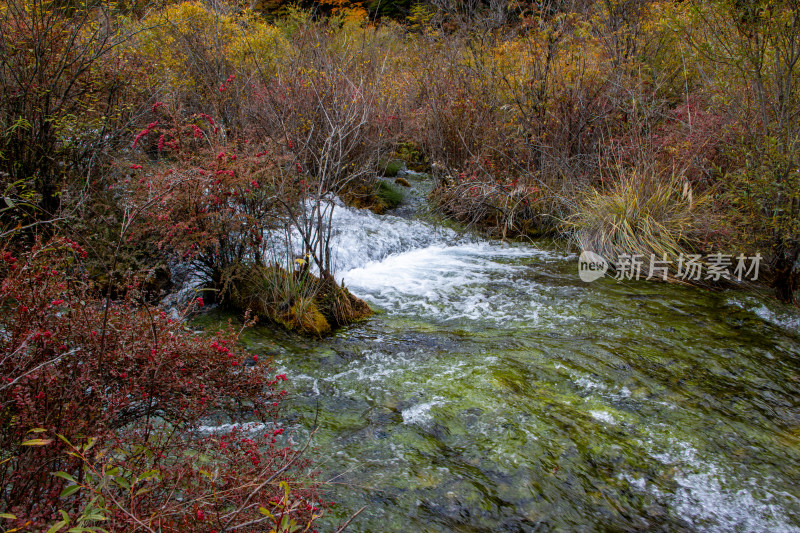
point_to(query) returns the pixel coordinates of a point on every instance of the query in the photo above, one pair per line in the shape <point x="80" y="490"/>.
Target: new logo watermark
<point x="591" y="266"/>
<point x="689" y="267"/>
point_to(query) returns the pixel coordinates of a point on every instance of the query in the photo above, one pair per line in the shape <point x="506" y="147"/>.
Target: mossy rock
<point x="301" y="303"/>
<point x="364" y="195"/>
<point x="413" y="157"/>
<point x="339" y="305"/>
<point x="377" y="197"/>
<point x="391" y="167"/>
<point x="389" y="194"/>
<point x="306" y="319"/>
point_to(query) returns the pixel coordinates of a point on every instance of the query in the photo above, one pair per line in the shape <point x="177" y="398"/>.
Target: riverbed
<point x="494" y="390"/>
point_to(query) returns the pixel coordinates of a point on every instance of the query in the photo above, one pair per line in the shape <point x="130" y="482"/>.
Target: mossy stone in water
<point x="305" y="319"/>
<point x="299" y="301"/>
<point x="391" y="168"/>
<point x="389" y="194"/>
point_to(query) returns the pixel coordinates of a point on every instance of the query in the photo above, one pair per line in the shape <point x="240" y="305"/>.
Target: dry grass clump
<point x="641" y="213"/>
<point x="339" y="306"/>
<point x="503" y="208"/>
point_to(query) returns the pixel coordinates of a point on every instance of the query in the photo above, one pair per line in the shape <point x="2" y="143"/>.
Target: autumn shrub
<point x="81" y="371"/>
<point x="695" y="137"/>
<point x="503" y="206"/>
<point x="206" y="200"/>
<point x="519" y="111"/>
<point x="329" y="112"/>
<point x="236" y="214"/>
<point x="556" y="101"/>
<point x="747" y="54"/>
<point x="238" y="479"/>
<point x="486" y="175"/>
<point x="65" y="99"/>
<point x="193" y="51"/>
<point x="329" y="105"/>
<point x="322" y="89"/>
<point x="558" y="97"/>
<point x="762" y="197"/>
<point x="459" y="114"/>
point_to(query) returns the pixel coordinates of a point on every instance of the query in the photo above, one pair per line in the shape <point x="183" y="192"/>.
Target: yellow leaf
<point x="37" y="442"/>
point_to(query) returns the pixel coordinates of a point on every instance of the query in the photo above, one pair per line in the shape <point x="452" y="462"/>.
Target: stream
<point x="493" y="390"/>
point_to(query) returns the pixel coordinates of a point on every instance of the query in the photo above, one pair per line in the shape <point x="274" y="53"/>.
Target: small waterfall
<point x="416" y="268"/>
<point x="362" y="237"/>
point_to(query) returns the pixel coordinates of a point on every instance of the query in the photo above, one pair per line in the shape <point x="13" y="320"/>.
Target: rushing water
<point x="495" y="391"/>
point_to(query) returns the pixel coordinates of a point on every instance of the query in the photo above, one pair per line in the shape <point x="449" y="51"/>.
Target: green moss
<point x="303" y="304"/>
<point x="390" y="195"/>
<point x="391" y="167"/>
<point x="377" y="197"/>
<point x="413" y="157"/>
<point x="304" y="318"/>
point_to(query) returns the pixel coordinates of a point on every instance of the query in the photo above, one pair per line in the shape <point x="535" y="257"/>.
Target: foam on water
<point x="411" y="267"/>
<point x="703" y="496"/>
<point x="474" y="281"/>
<point x="375" y="366"/>
<point x="421" y="412"/>
<point x="604" y="417"/>
<point x="786" y="317"/>
<point x="362" y="237"/>
<point x="376" y="372"/>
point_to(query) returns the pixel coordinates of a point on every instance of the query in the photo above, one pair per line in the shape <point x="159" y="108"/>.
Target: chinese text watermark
<point x="687" y="267"/>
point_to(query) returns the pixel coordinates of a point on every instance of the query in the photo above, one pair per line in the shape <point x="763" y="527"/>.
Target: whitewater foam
<point x="703" y="495"/>
<point x="473" y="281"/>
<point x="788" y="318"/>
<point x="421" y="412"/>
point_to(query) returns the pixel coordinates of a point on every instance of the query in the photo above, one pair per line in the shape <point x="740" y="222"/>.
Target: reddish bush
<point x="208" y="200"/>
<point x="491" y="200"/>
<point x="694" y="139"/>
<point x="138" y="385"/>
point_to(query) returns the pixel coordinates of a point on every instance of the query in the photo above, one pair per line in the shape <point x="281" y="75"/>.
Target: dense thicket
<point x="138" y="141"/>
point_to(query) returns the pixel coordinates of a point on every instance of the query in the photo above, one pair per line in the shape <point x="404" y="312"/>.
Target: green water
<point x="507" y="395"/>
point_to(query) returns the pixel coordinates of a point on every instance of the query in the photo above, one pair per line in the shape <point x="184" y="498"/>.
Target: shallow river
<point x="495" y="391"/>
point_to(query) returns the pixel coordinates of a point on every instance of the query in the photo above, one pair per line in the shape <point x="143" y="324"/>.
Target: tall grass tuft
<point x="642" y="212"/>
<point x="285" y="294"/>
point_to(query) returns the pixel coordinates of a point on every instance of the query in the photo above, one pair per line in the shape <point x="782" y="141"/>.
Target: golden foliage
<point x="177" y="38"/>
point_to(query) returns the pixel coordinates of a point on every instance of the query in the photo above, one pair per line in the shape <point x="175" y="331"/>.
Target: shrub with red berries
<point x="79" y="370"/>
